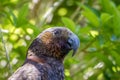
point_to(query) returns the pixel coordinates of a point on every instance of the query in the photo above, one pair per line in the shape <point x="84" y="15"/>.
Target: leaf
<point x="90" y="15"/>
<point x="22" y="15"/>
<point x="34" y="28"/>
<point x="116" y="57"/>
<point x="11" y="16"/>
<point x="104" y="58"/>
<point x="68" y="23"/>
<point x="110" y="8"/>
<point x="105" y="17"/>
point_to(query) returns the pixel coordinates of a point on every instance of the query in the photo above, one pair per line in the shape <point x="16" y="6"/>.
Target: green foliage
<point x="111" y="9"/>
<point x="69" y="23"/>
<point x="91" y="16"/>
<point x="97" y="24"/>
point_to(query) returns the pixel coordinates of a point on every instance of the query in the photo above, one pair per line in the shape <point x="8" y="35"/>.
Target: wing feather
<point x="26" y="72"/>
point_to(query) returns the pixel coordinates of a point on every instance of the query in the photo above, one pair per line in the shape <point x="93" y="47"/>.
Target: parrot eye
<point x="57" y="32"/>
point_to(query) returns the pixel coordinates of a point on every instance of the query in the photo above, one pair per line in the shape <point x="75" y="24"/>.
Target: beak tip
<point x="73" y="53"/>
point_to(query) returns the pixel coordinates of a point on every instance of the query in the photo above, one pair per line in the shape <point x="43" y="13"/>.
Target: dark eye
<point x="57" y="32"/>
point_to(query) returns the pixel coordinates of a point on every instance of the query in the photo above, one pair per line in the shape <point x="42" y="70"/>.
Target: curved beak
<point x="74" y="42"/>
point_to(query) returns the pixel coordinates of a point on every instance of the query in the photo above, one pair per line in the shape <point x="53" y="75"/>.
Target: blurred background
<point x="96" y="23"/>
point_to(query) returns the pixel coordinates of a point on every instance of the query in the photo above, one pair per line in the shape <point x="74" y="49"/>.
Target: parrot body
<point x="45" y="56"/>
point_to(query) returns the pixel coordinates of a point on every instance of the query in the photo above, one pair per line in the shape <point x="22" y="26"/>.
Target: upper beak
<point x="74" y="42"/>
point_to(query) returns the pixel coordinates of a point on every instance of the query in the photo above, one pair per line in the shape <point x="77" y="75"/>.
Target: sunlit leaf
<point x="68" y="23"/>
